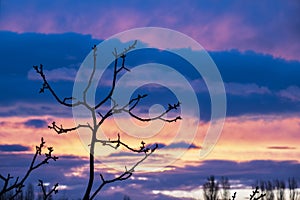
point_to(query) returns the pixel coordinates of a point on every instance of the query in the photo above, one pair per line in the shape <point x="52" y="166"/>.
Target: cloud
<point x="185" y="178"/>
<point x="36" y="123"/>
<point x="159" y="145"/>
<point x="249" y="77"/>
<point x="176" y="145"/>
<point x="60" y="74"/>
<point x="246" y="172"/>
<point x="291" y="93"/>
<point x="245" y="89"/>
<point x="217" y="26"/>
<point x="38" y="109"/>
<point x="281" y="148"/>
<point x="181" y="145"/>
<point x="21" y="51"/>
<point x="124" y="154"/>
<point x="13" y="147"/>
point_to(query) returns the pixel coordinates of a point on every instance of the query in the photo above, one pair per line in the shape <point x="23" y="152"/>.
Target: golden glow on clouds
<point x="242" y="139"/>
<point x="77" y="171"/>
<point x="13" y="131"/>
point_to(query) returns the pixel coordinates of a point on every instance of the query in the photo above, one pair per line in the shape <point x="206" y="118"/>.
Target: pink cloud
<point x="211" y="26"/>
<point x="243" y="138"/>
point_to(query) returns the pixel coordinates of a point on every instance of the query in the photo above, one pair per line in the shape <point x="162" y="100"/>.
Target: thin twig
<point x="233" y="196"/>
<point x="135" y="102"/>
<point x="60" y="129"/>
<point x="252" y="196"/>
<point x="119" y="143"/>
<point x="92" y="74"/>
<point x="46" y="194"/>
<point x="116" y="71"/>
<point x="46" y="85"/>
<point x="18" y="185"/>
<point x="124" y="176"/>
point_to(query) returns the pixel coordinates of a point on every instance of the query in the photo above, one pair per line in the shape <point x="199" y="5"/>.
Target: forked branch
<point x="128" y="108"/>
<point x="47" y="194"/>
<point x="60" y="129"/>
<point x="46" y="86"/>
<point x="95" y="124"/>
<point x="234" y="196"/>
<point x="117" y="143"/>
<point x="128" y="172"/>
<point x="121" y="55"/>
<point x="254" y="193"/>
<point x="18" y="184"/>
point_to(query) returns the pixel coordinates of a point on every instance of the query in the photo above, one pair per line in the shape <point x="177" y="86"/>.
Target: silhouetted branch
<point x="95" y="124"/>
<point x="46" y="85"/>
<point x="46" y="194"/>
<point x="116" y="71"/>
<point x="252" y="196"/>
<point x="92" y="74"/>
<point x="233" y="196"/>
<point x="108" y="113"/>
<point x="134" y="102"/>
<point x="125" y="51"/>
<point x="128" y="172"/>
<point x="119" y="143"/>
<point x="18" y="185"/>
<point x="60" y="129"/>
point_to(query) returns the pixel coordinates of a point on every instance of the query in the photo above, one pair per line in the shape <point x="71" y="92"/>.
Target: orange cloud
<point x="243" y="138"/>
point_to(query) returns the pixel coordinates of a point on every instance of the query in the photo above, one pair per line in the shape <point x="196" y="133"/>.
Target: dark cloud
<point x="143" y="184"/>
<point x="13" y="147"/>
<point x="245" y="172"/>
<point x="125" y="154"/>
<point x="159" y="145"/>
<point x="251" y="67"/>
<point x="36" y="123"/>
<point x="258" y="83"/>
<point x="19" y="52"/>
<point x="255" y="83"/>
<point x="181" y="145"/>
<point x="54" y="172"/>
<point x="281" y="147"/>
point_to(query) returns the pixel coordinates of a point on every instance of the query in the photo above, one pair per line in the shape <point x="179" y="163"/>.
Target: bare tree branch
<point x="92" y="74"/>
<point x="135" y="102"/>
<point x="18" y="185"/>
<point x="116" y="71"/>
<point x="254" y="193"/>
<point x="128" y="172"/>
<point x="96" y="123"/>
<point x="233" y="196"/>
<point x="125" y="51"/>
<point x="119" y="143"/>
<point x="46" y="85"/>
<point x="47" y="194"/>
<point x="60" y="129"/>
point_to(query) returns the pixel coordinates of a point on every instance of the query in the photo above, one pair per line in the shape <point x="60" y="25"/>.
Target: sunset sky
<point x="254" y="44"/>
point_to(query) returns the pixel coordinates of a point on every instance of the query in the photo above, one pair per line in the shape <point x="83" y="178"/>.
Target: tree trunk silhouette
<point x="90" y="192"/>
<point x="211" y="189"/>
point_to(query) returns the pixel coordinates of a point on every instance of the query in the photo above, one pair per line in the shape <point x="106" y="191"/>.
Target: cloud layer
<point x="186" y="178"/>
<point x="268" y="27"/>
<point x="255" y="83"/>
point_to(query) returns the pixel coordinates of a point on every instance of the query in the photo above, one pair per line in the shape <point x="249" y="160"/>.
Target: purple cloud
<point x="291" y="93"/>
<point x="36" y="123"/>
<point x="181" y="145"/>
<point x="13" y="147"/>
<point x="143" y="184"/>
<point x="218" y="26"/>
